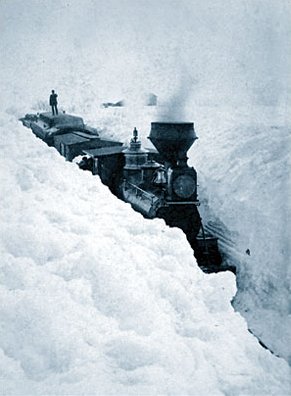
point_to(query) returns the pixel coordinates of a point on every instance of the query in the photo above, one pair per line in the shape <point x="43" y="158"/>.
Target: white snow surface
<point x="244" y="161"/>
<point x="97" y="300"/>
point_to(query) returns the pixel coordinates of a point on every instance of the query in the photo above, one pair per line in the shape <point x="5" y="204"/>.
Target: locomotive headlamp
<point x="184" y="186"/>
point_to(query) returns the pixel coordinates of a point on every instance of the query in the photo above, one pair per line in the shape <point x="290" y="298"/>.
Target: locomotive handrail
<point x="196" y="203"/>
<point x="145" y="193"/>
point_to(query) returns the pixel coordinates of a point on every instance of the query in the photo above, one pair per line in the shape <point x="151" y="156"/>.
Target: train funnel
<point x="173" y="140"/>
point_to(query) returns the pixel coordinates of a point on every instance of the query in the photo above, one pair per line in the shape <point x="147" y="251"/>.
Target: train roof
<point x="104" y="151"/>
<point x="75" y="137"/>
<point x="62" y="120"/>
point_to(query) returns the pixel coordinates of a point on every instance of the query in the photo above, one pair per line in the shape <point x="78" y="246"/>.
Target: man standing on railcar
<point x="54" y="102"/>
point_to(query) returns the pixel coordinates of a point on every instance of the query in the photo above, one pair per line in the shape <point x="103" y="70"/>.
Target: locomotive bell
<point x="173" y="140"/>
<point x="149" y="169"/>
<point x="160" y="177"/>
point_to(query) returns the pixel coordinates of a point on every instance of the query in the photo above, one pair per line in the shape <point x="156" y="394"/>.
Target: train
<point x="157" y="182"/>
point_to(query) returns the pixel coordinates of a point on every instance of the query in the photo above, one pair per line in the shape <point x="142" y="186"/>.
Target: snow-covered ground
<point x="97" y="300"/>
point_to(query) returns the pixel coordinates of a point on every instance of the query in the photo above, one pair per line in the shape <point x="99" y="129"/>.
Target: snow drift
<point x="95" y="299"/>
<point x="243" y="156"/>
<point x="98" y="300"/>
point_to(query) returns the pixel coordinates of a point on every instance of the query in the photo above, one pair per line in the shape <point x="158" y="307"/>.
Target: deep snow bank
<point x="97" y="300"/>
<point x="244" y="165"/>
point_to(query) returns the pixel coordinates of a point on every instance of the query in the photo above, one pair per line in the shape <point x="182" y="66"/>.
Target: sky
<point x="217" y="50"/>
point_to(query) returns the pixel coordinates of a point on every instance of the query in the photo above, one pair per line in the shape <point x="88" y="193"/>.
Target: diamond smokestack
<point x="173" y="140"/>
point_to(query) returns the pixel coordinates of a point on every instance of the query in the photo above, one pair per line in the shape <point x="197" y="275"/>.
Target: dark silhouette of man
<point x="54" y="102"/>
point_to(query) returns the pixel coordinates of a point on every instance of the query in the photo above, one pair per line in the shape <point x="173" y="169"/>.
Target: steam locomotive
<point x="156" y="182"/>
